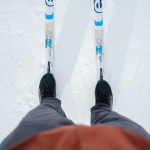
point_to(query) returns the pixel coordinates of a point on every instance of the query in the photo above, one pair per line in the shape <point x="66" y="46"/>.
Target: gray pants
<point x="49" y="115"/>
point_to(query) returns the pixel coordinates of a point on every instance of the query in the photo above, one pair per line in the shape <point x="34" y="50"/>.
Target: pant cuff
<point x="51" y="101"/>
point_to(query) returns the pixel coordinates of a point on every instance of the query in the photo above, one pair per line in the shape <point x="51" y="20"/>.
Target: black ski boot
<point x="103" y="93"/>
<point x="47" y="87"/>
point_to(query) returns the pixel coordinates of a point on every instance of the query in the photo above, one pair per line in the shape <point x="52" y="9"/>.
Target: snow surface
<point x="22" y="52"/>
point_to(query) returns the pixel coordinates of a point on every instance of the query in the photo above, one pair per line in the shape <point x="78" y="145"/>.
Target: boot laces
<point x="47" y="92"/>
<point x="103" y="99"/>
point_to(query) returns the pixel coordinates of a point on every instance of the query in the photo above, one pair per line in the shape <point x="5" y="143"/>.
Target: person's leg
<point x="47" y="115"/>
<point x="102" y="114"/>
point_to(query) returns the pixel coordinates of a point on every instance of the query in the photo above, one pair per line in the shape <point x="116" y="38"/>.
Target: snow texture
<point x="22" y="53"/>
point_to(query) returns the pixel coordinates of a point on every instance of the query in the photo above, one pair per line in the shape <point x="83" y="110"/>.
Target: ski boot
<point x="103" y="93"/>
<point x="47" y="86"/>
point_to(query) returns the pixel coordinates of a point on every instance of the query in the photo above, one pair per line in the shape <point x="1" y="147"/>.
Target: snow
<point x="22" y="52"/>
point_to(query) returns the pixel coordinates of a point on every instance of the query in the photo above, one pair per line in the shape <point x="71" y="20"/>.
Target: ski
<point x="49" y="33"/>
<point x="103" y="92"/>
<point x="98" y="20"/>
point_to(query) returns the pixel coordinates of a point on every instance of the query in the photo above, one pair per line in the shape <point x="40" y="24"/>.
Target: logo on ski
<point x="49" y="3"/>
<point x="50" y="17"/>
<point x="48" y="39"/>
<point x="98" y="6"/>
<point x="100" y="23"/>
<point x="98" y="50"/>
<point x="99" y="46"/>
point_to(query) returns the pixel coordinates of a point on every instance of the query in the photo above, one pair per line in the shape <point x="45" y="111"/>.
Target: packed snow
<point x="22" y="54"/>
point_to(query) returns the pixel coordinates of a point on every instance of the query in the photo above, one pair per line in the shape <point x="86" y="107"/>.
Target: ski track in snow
<point x="127" y="53"/>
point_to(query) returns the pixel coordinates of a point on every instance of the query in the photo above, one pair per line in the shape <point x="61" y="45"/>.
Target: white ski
<point x="98" y="18"/>
<point x="49" y="32"/>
